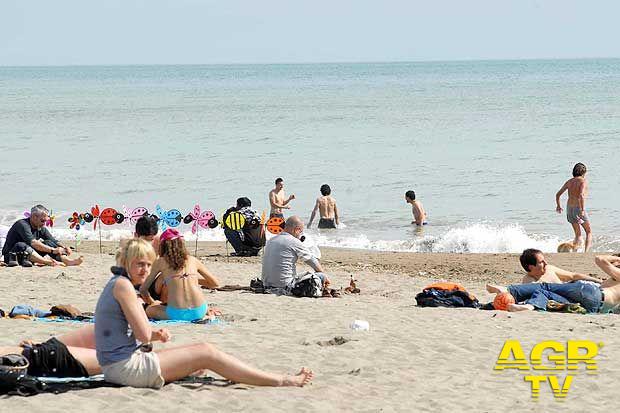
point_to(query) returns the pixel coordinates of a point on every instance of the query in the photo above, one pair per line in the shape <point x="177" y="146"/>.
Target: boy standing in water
<point x="326" y="205"/>
<point x="419" y="215"/>
<point x="577" y="188"/>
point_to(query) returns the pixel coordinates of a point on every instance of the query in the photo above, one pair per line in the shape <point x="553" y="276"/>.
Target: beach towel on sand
<point x="446" y="295"/>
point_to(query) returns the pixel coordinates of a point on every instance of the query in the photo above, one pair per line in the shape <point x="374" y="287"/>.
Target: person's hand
<point x="67" y="250"/>
<point x="162" y="335"/>
<point x="558" y="209"/>
<point x="291" y="197"/>
<point x="286" y="207"/>
<point x="26" y="343"/>
<point x="582" y="213"/>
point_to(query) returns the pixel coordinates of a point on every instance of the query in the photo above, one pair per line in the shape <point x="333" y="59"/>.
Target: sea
<point x="484" y="144"/>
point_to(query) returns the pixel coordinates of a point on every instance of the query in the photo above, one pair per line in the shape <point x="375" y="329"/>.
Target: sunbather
<point x="180" y="274"/>
<point x="593" y="297"/>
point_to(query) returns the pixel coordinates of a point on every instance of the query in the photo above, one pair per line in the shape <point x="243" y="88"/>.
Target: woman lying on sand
<point x="123" y="336"/>
<point x="595" y="298"/>
<point x="178" y="272"/>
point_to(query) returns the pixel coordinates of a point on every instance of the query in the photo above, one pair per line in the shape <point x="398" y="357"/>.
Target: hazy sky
<point x="67" y="32"/>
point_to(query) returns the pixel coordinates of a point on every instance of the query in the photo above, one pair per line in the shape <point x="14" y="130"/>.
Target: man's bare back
<point x="577" y="187"/>
<point x="419" y="215"/>
<point x="327" y="207"/>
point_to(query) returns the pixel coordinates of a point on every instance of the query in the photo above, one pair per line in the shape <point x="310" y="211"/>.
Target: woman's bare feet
<point x="495" y="289"/>
<point x="302" y="378"/>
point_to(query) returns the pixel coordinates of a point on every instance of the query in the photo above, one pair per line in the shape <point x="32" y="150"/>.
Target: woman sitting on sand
<point x="123" y="336"/>
<point x="177" y="273"/>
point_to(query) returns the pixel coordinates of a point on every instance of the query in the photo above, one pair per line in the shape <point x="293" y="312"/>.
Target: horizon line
<point x="316" y="63"/>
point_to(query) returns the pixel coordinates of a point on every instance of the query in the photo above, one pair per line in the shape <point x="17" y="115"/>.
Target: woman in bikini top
<point x="182" y="277"/>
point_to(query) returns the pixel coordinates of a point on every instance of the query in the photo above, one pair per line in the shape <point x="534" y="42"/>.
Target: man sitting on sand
<point x="278" y="200"/>
<point x="326" y="205"/>
<point x="538" y="271"/>
<point x="603" y="298"/>
<point x="281" y="255"/>
<point x="419" y="214"/>
<point x="28" y="242"/>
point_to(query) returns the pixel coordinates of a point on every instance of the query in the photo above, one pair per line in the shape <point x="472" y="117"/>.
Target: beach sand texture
<point x="411" y="359"/>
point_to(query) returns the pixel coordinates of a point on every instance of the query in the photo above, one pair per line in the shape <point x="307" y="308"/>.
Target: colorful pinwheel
<point x="171" y="218"/>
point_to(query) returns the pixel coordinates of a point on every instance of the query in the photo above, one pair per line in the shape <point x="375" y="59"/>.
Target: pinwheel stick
<point x="100" y="246"/>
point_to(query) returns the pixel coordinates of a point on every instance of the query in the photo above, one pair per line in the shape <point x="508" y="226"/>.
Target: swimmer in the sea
<point x="326" y="205"/>
<point x="419" y="214"/>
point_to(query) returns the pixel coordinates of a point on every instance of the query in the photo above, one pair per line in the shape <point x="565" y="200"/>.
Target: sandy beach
<point x="411" y="359"/>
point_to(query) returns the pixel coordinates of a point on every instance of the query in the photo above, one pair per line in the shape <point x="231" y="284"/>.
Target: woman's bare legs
<point x="157" y="312"/>
<point x="179" y="362"/>
<point x="82" y="337"/>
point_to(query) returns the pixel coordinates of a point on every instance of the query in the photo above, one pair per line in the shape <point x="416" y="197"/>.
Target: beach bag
<point x="309" y="285"/>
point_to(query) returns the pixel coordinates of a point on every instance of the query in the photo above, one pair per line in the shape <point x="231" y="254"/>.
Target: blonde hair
<point x="135" y="249"/>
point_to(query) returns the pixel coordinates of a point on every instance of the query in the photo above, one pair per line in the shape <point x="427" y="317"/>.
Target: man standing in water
<point x="278" y="200"/>
<point x="419" y="214"/>
<point x="577" y="188"/>
<point x="326" y="205"/>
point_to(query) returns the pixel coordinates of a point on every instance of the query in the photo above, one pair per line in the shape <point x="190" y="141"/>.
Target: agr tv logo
<point x="558" y="358"/>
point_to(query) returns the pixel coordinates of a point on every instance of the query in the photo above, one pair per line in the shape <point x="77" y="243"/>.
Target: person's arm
<point x="417" y="216"/>
<point x="558" y="194"/>
<point x="210" y="280"/>
<point x="582" y="198"/>
<point x="45" y="249"/>
<point x="313" y="214"/>
<point x="306" y="256"/>
<point x="289" y="199"/>
<point x="125" y="294"/>
<point x="336" y="216"/>
<point x="47" y="235"/>
<point x="144" y="288"/>
<point x="274" y="202"/>
<point x="605" y="264"/>
<point x="566" y="276"/>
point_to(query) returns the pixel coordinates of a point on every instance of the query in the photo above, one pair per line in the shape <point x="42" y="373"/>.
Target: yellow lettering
<point x="556" y="357"/>
<point x="575" y="357"/>
<point x="511" y="357"/>
<point x="560" y="392"/>
<point x="535" y="383"/>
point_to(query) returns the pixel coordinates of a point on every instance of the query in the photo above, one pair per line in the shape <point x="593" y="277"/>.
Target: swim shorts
<point x="327" y="223"/>
<point x="572" y="215"/>
<point x="53" y="359"/>
<point x="186" y="314"/>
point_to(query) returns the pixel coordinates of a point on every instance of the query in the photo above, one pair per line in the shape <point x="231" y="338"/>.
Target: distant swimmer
<point x="278" y="199"/>
<point x="576" y="215"/>
<point x="326" y="205"/>
<point x="419" y="215"/>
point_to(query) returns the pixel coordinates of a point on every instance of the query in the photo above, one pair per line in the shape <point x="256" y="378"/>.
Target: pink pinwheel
<point x="203" y="219"/>
<point x="133" y="215"/>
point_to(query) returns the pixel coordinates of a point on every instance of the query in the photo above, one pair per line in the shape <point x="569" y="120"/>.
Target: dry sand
<point x="412" y="359"/>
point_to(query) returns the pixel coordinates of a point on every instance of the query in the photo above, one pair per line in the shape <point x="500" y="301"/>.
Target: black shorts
<point x="327" y="223"/>
<point x="52" y="359"/>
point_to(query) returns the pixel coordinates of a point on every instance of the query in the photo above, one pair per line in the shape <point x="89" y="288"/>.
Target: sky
<point x="117" y="32"/>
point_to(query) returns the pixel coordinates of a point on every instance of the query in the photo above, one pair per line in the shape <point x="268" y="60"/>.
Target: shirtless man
<point x="577" y="188"/>
<point x="419" y="215"/>
<point x="603" y="298"/>
<point x="327" y="209"/>
<point x="538" y="271"/>
<point x="278" y="200"/>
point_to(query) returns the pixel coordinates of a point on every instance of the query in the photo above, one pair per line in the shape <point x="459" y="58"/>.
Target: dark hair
<point x="528" y="257"/>
<point x="410" y="195"/>
<point x="146" y="225"/>
<point x="243" y="202"/>
<point x="579" y="169"/>
<point x="174" y="252"/>
<point x="325" y="189"/>
<point x="278" y="180"/>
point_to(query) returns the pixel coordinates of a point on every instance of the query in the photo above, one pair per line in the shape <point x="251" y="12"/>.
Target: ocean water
<point x="484" y="144"/>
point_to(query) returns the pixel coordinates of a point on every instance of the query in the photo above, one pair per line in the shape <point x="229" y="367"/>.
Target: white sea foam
<point x="473" y="238"/>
